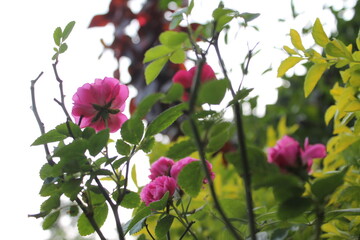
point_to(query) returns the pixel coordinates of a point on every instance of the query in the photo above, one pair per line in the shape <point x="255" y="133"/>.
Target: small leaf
<point x="325" y="186"/>
<point x="296" y="40"/>
<point x="154" y="68"/>
<point x="52" y="202"/>
<point x="51" y="136"/>
<point x="122" y="147"/>
<point x="63" y="48"/>
<point x="287" y="64"/>
<point x="100" y="215"/>
<point x="131" y="200"/>
<point x="163" y="226"/>
<point x="318" y="34"/>
<point x="50" y="220"/>
<point x="161" y="204"/>
<point x="337" y="48"/>
<point x="249" y="16"/>
<point x="181" y="149"/>
<point x="69" y="27"/>
<point x="147" y="144"/>
<point x="240" y="95"/>
<point x="165" y="119"/>
<point x="175" y="21"/>
<point x="174" y="93"/>
<point x="146" y="104"/>
<point x="132" y="130"/>
<point x="72" y="188"/>
<point x="178" y="56"/>
<point x="57" y="36"/>
<point x="313" y="76"/>
<point x="172" y="39"/>
<point x="69" y="129"/>
<point x="212" y="92"/>
<point x="191" y="177"/>
<point x="98" y="141"/>
<point x="133" y="175"/>
<point x="156" y="52"/>
<point x="289" y="50"/>
<point x="140" y="215"/>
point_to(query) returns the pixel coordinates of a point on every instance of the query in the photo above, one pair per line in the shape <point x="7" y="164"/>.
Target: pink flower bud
<point x="179" y="165"/>
<point x="185" y="78"/>
<point x="161" y="167"/>
<point x="101" y="103"/>
<point x="157" y="188"/>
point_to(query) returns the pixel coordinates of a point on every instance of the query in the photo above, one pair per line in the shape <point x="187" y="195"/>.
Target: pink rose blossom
<point x="179" y="165"/>
<point x="288" y="154"/>
<point x="100" y="102"/>
<point x="161" y="167"/>
<point x="185" y="78"/>
<point x="157" y="188"/>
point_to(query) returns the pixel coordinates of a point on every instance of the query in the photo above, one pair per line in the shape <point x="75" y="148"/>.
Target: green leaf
<point x="52" y="202"/>
<point x="337" y="48"/>
<point x="133" y="175"/>
<point x="98" y="141"/>
<point x="140" y="215"/>
<point x="287" y="64"/>
<point x="249" y="16"/>
<point x="293" y="207"/>
<point x="325" y="186"/>
<point x="240" y="95"/>
<point x="313" y="76"/>
<point x="74" y="149"/>
<point x="161" y="204"/>
<point x="172" y="39"/>
<point x="296" y="40"/>
<point x="73" y="211"/>
<point x="358" y="41"/>
<point x="165" y="119"/>
<point x="72" y="188"/>
<point x="147" y="144"/>
<point x="181" y="149"/>
<point x="132" y="130"/>
<point x="191" y="178"/>
<point x="339" y="213"/>
<point x="63" y="48"/>
<point x="175" y="21"/>
<point x="174" y="93"/>
<point x="46" y="171"/>
<point x="154" y="68"/>
<point x="122" y="147"/>
<point x="51" y="136"/>
<point x="100" y="215"/>
<point x="50" y="220"/>
<point x="319" y="34"/>
<point x="163" y="226"/>
<point x="69" y="129"/>
<point x="146" y="104"/>
<point x="67" y="30"/>
<point x="156" y="52"/>
<point x="212" y="92"/>
<point x="178" y="56"/>
<point x="48" y="189"/>
<point x="219" y="134"/>
<point x="57" y="36"/>
<point x="131" y="200"/>
<point x="88" y="132"/>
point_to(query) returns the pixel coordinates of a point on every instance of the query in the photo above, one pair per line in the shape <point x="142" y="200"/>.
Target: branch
<point x="243" y="150"/>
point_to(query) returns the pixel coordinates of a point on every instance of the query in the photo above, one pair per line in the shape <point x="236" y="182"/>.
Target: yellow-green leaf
<point x="289" y="50"/>
<point x="296" y="40"/>
<point x="358" y="40"/>
<point x="313" y="76"/>
<point x="337" y="48"/>
<point x="319" y="35"/>
<point x="154" y="69"/>
<point x="178" y="56"/>
<point x="330" y="113"/>
<point x="353" y="106"/>
<point x="287" y="64"/>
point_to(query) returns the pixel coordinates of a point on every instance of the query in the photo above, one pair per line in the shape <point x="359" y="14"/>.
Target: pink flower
<point x="101" y="103"/>
<point x="185" y="78"/>
<point x="161" y="167"/>
<point x="179" y="165"/>
<point x="288" y="154"/>
<point x="157" y="188"/>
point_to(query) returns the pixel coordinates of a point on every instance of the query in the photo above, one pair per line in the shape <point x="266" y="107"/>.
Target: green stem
<point x="320" y="216"/>
<point x="187" y="226"/>
<point x="243" y="150"/>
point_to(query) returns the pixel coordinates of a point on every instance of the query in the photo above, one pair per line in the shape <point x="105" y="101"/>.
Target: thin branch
<point x="186" y="230"/>
<point x="243" y="150"/>
<point x="62" y="95"/>
<point x="38" y="119"/>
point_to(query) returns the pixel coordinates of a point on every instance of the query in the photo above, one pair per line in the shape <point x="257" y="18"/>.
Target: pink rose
<point x="288" y="154"/>
<point x="185" y="78"/>
<point x="179" y="165"/>
<point x="157" y="188"/>
<point x="161" y="167"/>
<point x="101" y="103"/>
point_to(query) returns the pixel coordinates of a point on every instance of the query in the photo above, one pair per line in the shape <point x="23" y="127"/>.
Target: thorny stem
<point x="62" y="95"/>
<point x="243" y="150"/>
<point x="200" y="147"/>
<point x="51" y="162"/>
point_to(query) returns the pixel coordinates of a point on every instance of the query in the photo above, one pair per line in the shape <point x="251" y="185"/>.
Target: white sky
<point x="26" y="49"/>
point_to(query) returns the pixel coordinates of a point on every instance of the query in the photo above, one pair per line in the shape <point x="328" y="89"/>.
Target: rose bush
<point x="156" y="189"/>
<point x="100" y="104"/>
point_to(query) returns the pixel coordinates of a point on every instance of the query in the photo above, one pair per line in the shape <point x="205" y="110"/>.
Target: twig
<point x="243" y="150"/>
<point x="38" y="119"/>
<point x="186" y="230"/>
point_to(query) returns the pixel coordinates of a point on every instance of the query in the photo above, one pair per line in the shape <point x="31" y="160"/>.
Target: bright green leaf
<point x="165" y="119"/>
<point x="133" y="175"/>
<point x="156" y="52"/>
<point x="154" y="68"/>
<point x="337" y="48"/>
<point x="191" y="178"/>
<point x="57" y="36"/>
<point x="319" y="35"/>
<point x="172" y="39"/>
<point x="296" y="40"/>
<point x="287" y="64"/>
<point x="178" y="56"/>
<point x="67" y="30"/>
<point x="313" y="76"/>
